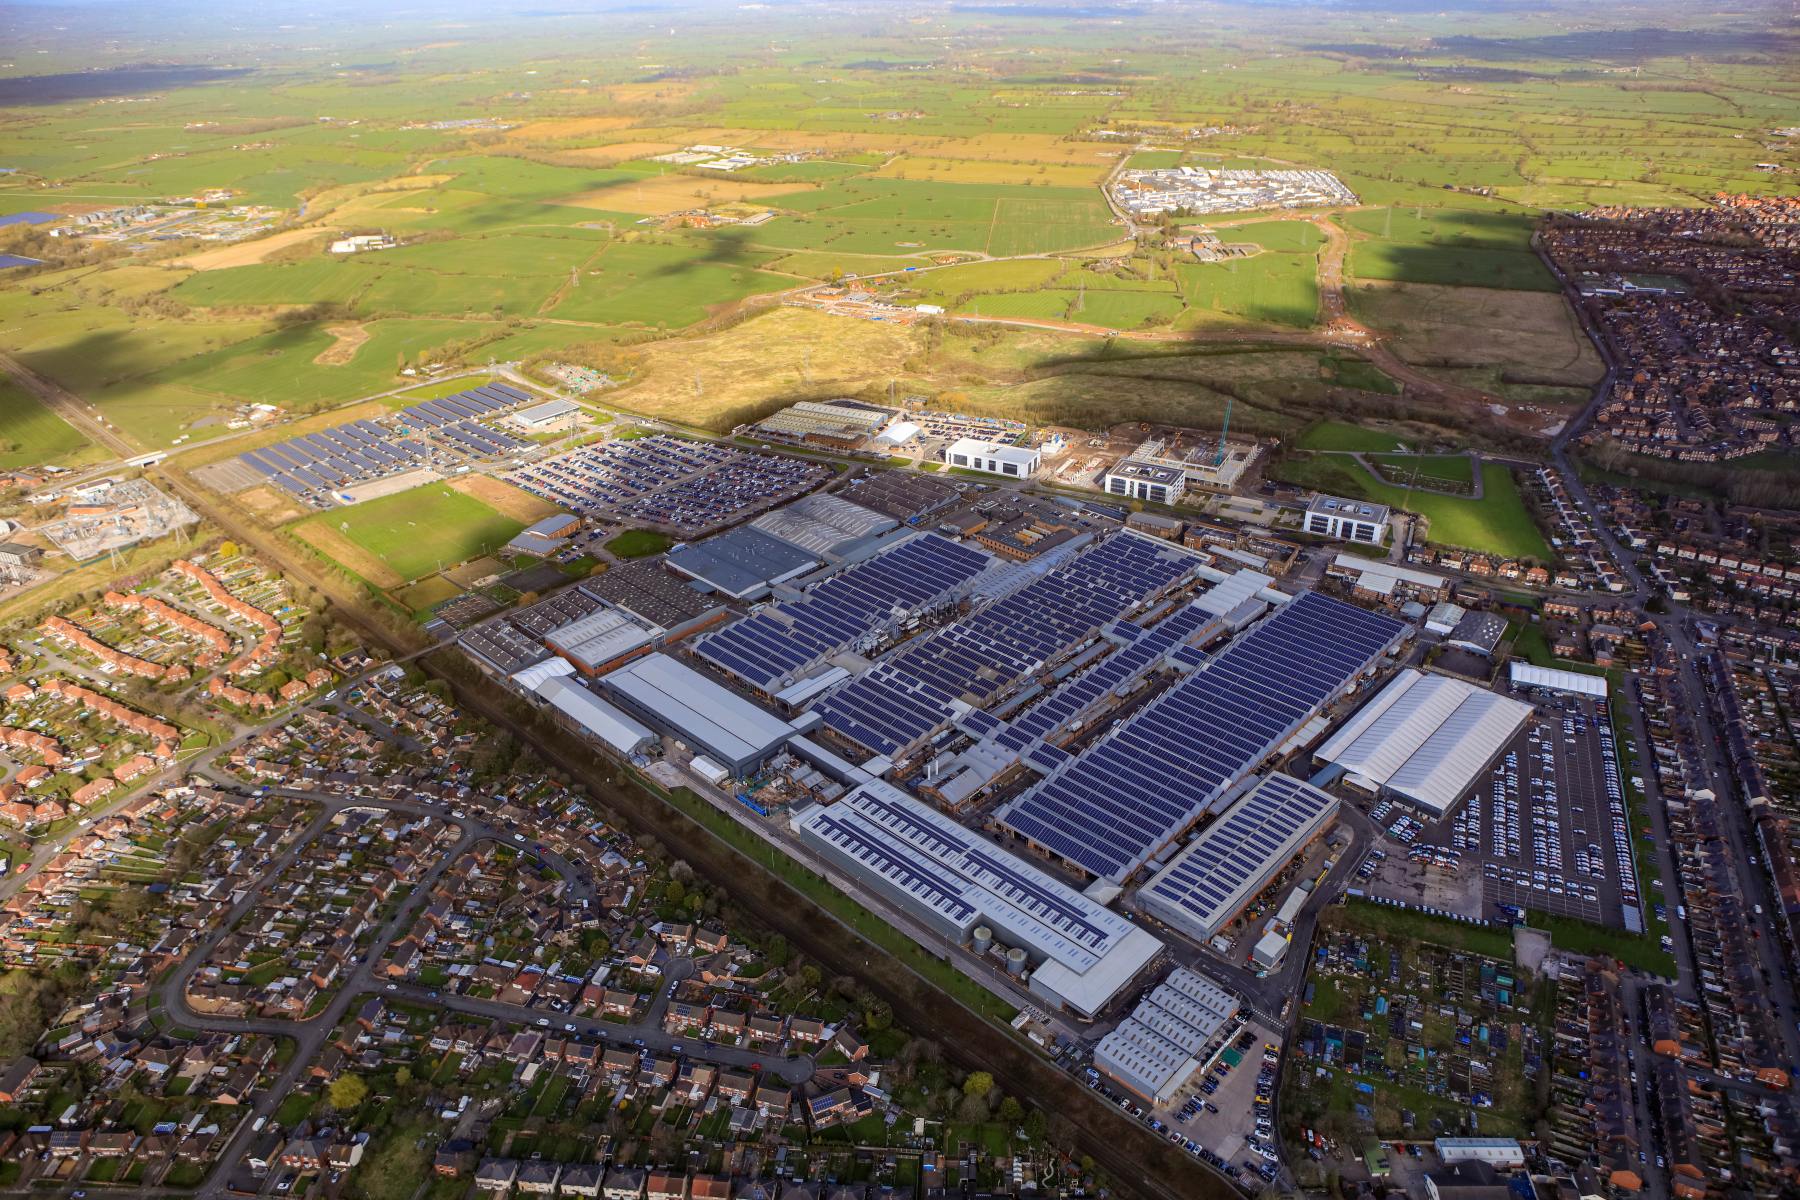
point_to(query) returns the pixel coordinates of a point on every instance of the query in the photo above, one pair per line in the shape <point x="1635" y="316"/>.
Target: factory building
<point x="594" y="716"/>
<point x="602" y="639"/>
<point x="1347" y="520"/>
<point x="1171" y="1034"/>
<point x="1550" y="679"/>
<point x="966" y="889"/>
<point x="742" y="563"/>
<point x="1230" y="861"/>
<point x="973" y="454"/>
<point x="1156" y="483"/>
<point x="707" y="718"/>
<point x="1425" y="739"/>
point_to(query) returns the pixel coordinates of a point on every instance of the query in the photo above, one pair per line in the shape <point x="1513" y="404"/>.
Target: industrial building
<point x="825" y="525"/>
<point x="602" y="639"/>
<point x="1347" y="520"/>
<point x="774" y="647"/>
<point x="1387" y="582"/>
<point x="544" y="538"/>
<point x="964" y="888"/>
<point x="1237" y="856"/>
<point x="594" y="716"/>
<point x="994" y="458"/>
<point x="707" y="718"/>
<point x="1425" y="739"/>
<point x="839" y="424"/>
<point x="1170" y="1035"/>
<point x="548" y="417"/>
<point x="742" y="563"/>
<point x="1494" y="1151"/>
<point x="1129" y="794"/>
<point x="1138" y="480"/>
<point x="1478" y="633"/>
<point x="1551" y="679"/>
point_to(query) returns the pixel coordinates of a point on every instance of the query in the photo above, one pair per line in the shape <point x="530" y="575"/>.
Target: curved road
<point x="311" y="1033"/>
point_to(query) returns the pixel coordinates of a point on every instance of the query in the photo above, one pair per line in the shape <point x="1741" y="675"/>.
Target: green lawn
<point x="1336" y="435"/>
<point x="1498" y="523"/>
<point x="638" y="543"/>
<point x="424" y="530"/>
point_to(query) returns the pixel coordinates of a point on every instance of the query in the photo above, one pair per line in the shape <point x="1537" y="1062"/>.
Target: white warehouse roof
<point x="1551" y="679"/>
<point x="1084" y="952"/>
<point x="1158" y="1047"/>
<point x="595" y="715"/>
<point x="709" y="717"/>
<point x="1426" y="737"/>
<point x="600" y="637"/>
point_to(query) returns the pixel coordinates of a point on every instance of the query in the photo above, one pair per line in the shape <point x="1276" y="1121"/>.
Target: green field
<point x="422" y="531"/>
<point x="1335" y="435"/>
<point x="33" y="436"/>
<point x="1429" y="468"/>
<point x="1498" y="523"/>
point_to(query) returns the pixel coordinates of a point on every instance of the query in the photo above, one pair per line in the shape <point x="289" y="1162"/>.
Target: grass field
<point x="638" y="543"/>
<point x="1498" y="523"/>
<point x="1429" y="469"/>
<point x="33" y="436"/>
<point x="422" y="531"/>
<point x="1336" y="435"/>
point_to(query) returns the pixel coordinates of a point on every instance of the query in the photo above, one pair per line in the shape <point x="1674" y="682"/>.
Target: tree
<point x="1011" y="1112"/>
<point x="347" y="1092"/>
<point x="403" y="1075"/>
<point x="979" y="1083"/>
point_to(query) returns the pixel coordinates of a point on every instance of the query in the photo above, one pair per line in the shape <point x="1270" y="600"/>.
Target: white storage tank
<point x="981" y="938"/>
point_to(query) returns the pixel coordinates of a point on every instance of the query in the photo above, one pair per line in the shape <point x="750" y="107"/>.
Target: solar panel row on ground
<point x="1134" y="790"/>
<point x="913" y="693"/>
<point x="314" y="465"/>
<point x="769" y="647"/>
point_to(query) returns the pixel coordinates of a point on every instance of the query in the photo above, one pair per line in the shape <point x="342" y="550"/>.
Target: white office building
<point x="1347" y="520"/>
<point x="1136" y="479"/>
<point x="994" y="458"/>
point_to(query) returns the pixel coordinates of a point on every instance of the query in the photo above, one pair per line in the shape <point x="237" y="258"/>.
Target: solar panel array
<point x="314" y="465"/>
<point x="1235" y="856"/>
<point x="764" y="649"/>
<point x="907" y="696"/>
<point x="1131" y="662"/>
<point x="963" y="877"/>
<point x="1138" y="787"/>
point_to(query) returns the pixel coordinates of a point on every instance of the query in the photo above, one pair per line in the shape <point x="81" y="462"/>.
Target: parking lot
<point x="1226" y="1111"/>
<point x="1546" y="826"/>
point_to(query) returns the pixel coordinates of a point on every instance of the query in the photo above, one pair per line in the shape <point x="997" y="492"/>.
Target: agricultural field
<point x="553" y="227"/>
<point x="410" y="534"/>
<point x="33" y="436"/>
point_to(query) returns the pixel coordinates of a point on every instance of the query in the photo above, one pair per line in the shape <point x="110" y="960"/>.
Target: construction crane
<point x="1219" y="459"/>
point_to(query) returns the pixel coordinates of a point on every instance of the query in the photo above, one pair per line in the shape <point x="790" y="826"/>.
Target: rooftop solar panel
<point x="1136" y="789"/>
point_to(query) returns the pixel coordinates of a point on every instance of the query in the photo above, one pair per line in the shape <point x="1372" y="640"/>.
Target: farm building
<point x="951" y="880"/>
<point x="1237" y="856"/>
<point x="1425" y="738"/>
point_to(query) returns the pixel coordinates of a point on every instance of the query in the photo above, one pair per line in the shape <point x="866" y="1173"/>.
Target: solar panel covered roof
<point x="1232" y="859"/>
<point x="1134" y="790"/>
<point x="908" y="696"/>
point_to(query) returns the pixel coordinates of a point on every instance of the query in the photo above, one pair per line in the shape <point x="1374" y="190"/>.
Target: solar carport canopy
<point x="1133" y="791"/>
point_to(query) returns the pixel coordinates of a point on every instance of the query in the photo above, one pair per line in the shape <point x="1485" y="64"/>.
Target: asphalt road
<point x="311" y="1034"/>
